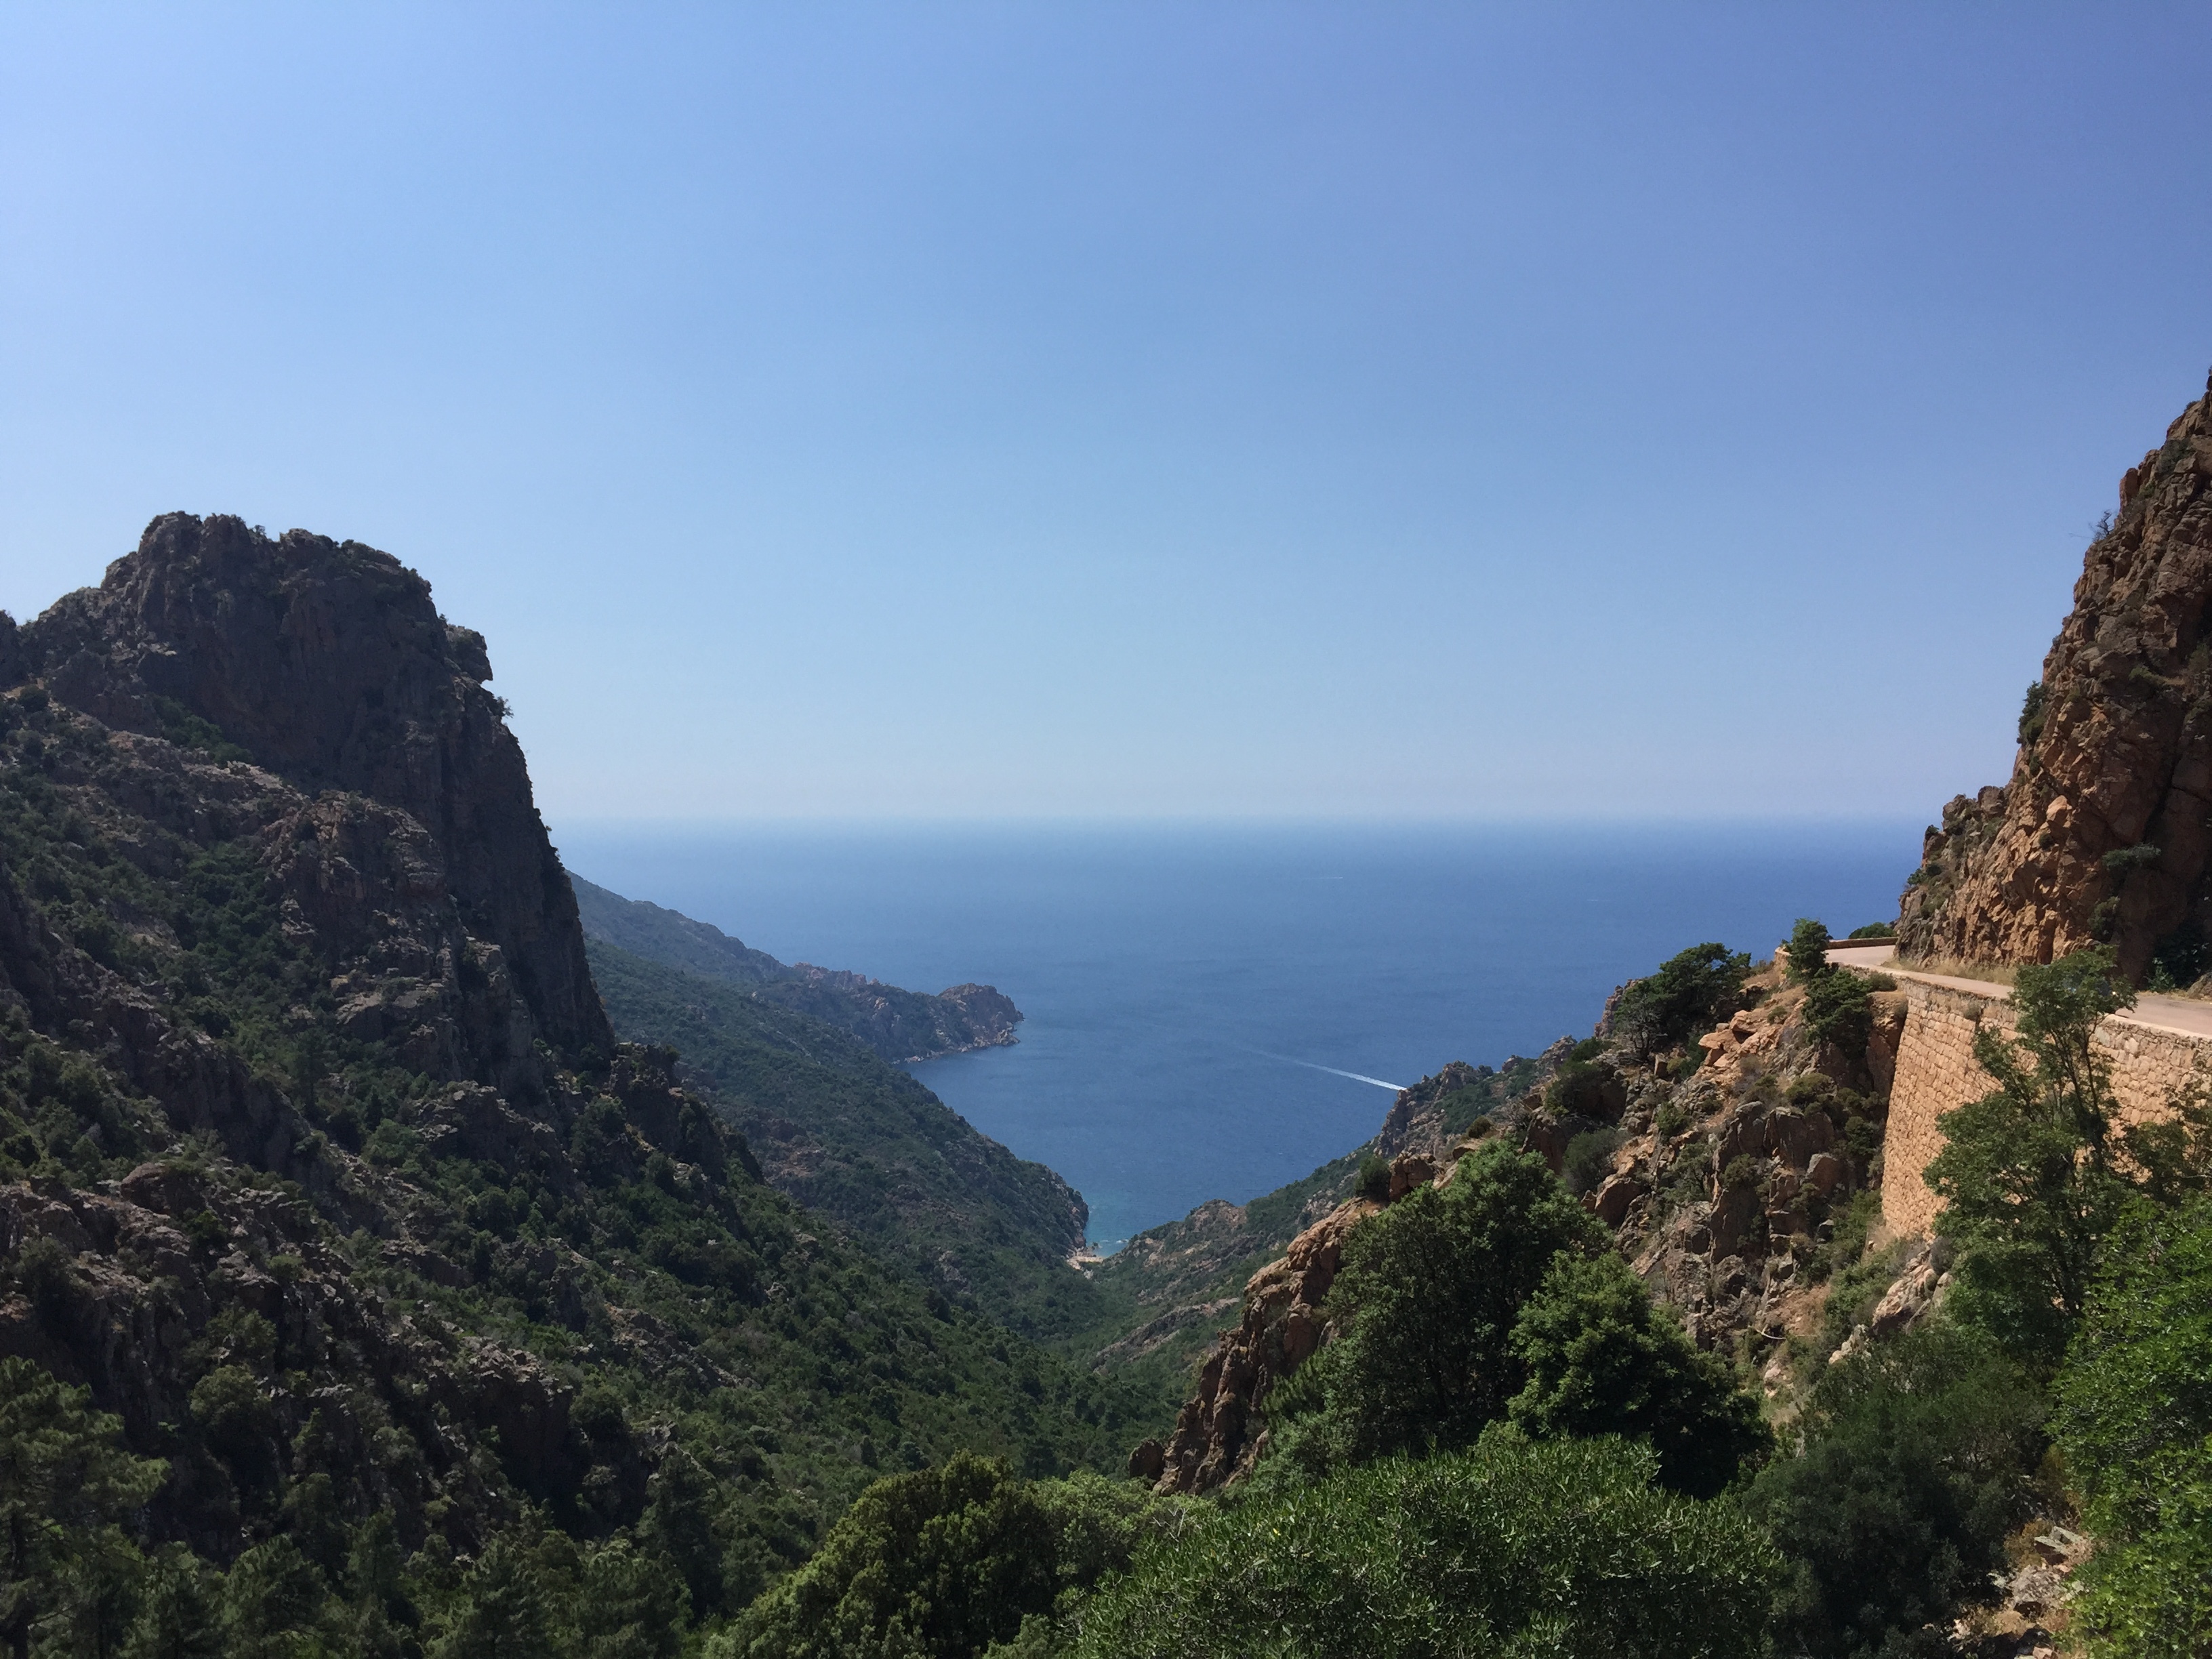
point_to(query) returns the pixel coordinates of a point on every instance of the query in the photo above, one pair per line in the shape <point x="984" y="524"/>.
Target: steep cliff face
<point x="2104" y="833"/>
<point x="327" y="665"/>
<point x="320" y="1166"/>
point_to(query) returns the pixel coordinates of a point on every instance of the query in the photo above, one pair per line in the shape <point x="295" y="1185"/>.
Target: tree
<point x="2029" y="1173"/>
<point x="179" y="1608"/>
<point x="1896" y="1505"/>
<point x="1509" y="1548"/>
<point x="63" y="1482"/>
<point x="679" y="1523"/>
<point x="631" y="1606"/>
<point x="1692" y="991"/>
<point x="2134" y="1419"/>
<point x="500" y="1611"/>
<point x="936" y="1565"/>
<point x="1430" y="1290"/>
<point x="274" y="1593"/>
<point x="1603" y="1361"/>
<point x="1807" y="949"/>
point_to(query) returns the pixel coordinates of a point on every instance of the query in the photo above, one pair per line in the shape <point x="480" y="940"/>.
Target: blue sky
<point x="1084" y="410"/>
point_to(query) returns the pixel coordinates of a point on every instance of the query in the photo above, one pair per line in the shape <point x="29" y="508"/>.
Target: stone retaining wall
<point x="1936" y="1073"/>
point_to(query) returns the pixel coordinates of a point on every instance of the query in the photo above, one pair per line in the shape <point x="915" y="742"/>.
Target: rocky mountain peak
<point x="326" y="664"/>
<point x="2104" y="832"/>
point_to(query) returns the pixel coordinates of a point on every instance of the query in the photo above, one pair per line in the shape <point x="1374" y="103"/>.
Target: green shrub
<point x="1876" y="930"/>
<point x="1807" y="949"/>
<point x="1511" y="1548"/>
<point x="1837" y="1013"/>
<point x="1603" y="1360"/>
<point x="941" y="1563"/>
<point x="948" y="1561"/>
<point x="1584" y="1088"/>
<point x="2032" y="712"/>
<point x="1430" y="1291"/>
<point x="1374" y="1179"/>
<point x="2030" y="1172"/>
<point x="1810" y="1089"/>
<point x="1912" y="1470"/>
<point x="1691" y="992"/>
<point x="2134" y="1419"/>
<point x="1588" y="1158"/>
<point x="1671" y="1119"/>
<point x="2125" y="860"/>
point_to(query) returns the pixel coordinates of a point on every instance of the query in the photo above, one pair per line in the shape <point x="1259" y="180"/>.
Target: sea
<point x="1214" y="1011"/>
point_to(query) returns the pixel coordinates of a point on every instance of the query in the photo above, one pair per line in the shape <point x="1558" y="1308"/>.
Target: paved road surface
<point x="2186" y="1015"/>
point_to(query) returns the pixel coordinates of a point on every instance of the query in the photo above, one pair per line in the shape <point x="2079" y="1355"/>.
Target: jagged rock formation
<point x="900" y="1025"/>
<point x="319" y="1163"/>
<point x="1725" y="1188"/>
<point x="2104" y="833"/>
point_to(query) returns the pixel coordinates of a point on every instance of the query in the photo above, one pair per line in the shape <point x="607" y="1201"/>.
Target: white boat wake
<point x="1333" y="1070"/>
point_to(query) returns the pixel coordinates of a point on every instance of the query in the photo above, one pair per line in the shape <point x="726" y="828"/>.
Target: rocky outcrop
<point x="1216" y="1437"/>
<point x="1725" y="1192"/>
<point x="326" y="664"/>
<point x="286" y="918"/>
<point x="1183" y="1275"/>
<point x="2104" y="832"/>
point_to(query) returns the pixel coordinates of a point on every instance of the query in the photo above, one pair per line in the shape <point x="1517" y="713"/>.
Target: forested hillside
<point x="379" y="1265"/>
<point x="837" y="1129"/>
<point x="898" y="1024"/>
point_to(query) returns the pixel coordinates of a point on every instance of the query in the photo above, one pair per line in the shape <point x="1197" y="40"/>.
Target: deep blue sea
<point x="1214" y="1012"/>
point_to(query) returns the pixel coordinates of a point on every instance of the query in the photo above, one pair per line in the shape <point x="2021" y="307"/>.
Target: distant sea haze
<point x="1213" y="1011"/>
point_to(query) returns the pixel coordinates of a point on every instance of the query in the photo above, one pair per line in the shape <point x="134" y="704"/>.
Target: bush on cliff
<point x="1691" y="992"/>
<point x="2134" y="1419"/>
<point x="1602" y="1360"/>
<point x="1429" y="1291"/>
<point x="2037" y="1172"/>
<point x="947" y="1561"/>
<point x="1807" y="949"/>
<point x="1510" y="1547"/>
<point x="1894" y="1508"/>
<point x="1497" y="1295"/>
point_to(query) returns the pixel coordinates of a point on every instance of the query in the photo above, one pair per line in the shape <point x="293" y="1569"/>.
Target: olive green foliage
<point x="65" y="1482"/>
<point x="2134" y="1420"/>
<point x="2125" y="860"/>
<point x="2031" y="715"/>
<point x="1602" y="1360"/>
<point x="1508" y="1548"/>
<point x="1430" y="1290"/>
<point x="1691" y="992"/>
<point x="1588" y="1158"/>
<point x="889" y="1159"/>
<point x="767" y="1368"/>
<point x="1894" y="1508"/>
<point x="1876" y="930"/>
<point x="1374" y="1183"/>
<point x="1584" y="1086"/>
<point x="2036" y="1173"/>
<point x="946" y="1561"/>
<point x="1807" y="951"/>
<point x="1837" y="1011"/>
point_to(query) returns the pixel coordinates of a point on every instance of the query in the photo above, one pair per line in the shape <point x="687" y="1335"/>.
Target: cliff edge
<point x="2101" y="835"/>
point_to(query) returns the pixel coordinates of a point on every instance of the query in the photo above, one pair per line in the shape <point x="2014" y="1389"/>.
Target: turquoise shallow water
<point x="1184" y="987"/>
